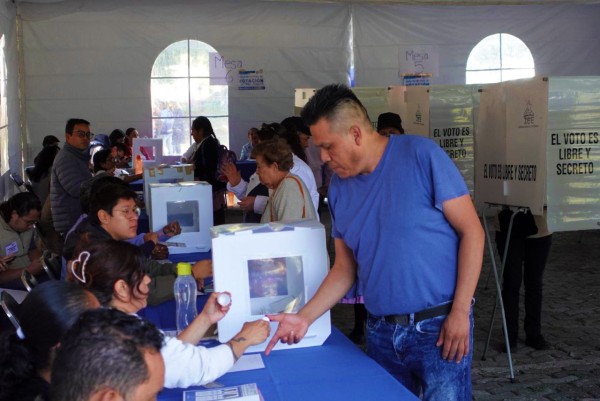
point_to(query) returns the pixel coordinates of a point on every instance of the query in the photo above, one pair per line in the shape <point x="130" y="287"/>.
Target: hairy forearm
<point x="337" y="283"/>
<point x="470" y="259"/>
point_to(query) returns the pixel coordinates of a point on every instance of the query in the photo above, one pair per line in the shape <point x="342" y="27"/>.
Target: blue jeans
<point x="410" y="355"/>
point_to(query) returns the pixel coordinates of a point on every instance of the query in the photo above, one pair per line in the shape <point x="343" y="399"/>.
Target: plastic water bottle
<point x="185" y="290"/>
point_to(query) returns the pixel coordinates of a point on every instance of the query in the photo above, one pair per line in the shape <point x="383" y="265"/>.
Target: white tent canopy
<point x="93" y="59"/>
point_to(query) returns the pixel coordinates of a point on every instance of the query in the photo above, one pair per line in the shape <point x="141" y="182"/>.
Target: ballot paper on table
<point x="243" y="392"/>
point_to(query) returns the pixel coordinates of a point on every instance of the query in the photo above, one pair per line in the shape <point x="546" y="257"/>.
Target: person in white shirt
<point x="246" y="153"/>
<point x="113" y="272"/>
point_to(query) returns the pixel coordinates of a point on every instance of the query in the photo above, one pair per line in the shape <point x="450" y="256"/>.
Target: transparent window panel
<point x="515" y="54"/>
<point x="221" y="128"/>
<point x="199" y="58"/>
<point x="208" y="100"/>
<point x="276" y="285"/>
<point x="172" y="62"/>
<point x="486" y="54"/>
<point x="483" y="77"/>
<point x="172" y="94"/>
<point x="186" y="213"/>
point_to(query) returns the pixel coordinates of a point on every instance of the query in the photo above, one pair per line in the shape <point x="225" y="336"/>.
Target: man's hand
<point x="247" y="204"/>
<point x="172" y="229"/>
<point x="291" y="329"/>
<point x="35" y="267"/>
<point x="160" y="252"/>
<point x="201" y="270"/>
<point x="454" y="336"/>
<point x="232" y="173"/>
<point x="4" y="261"/>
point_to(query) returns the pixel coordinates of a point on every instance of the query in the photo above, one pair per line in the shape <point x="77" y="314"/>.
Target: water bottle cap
<point x="184" y="269"/>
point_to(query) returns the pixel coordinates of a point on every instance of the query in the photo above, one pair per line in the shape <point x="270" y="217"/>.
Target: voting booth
<point x="268" y="269"/>
<point x="190" y="203"/>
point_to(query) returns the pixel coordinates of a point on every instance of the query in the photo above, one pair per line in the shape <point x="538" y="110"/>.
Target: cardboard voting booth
<point x="190" y="203"/>
<point x="151" y="153"/>
<point x="268" y="269"/>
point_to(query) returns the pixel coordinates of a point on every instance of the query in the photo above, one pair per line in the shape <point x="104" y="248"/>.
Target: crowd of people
<point x="408" y="253"/>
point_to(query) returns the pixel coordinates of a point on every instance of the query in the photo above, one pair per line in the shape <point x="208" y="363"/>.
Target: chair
<point x="52" y="265"/>
<point x="23" y="186"/>
<point x="28" y="280"/>
<point x="11" y="308"/>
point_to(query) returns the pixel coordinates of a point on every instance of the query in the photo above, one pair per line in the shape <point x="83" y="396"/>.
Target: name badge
<point x="11" y="248"/>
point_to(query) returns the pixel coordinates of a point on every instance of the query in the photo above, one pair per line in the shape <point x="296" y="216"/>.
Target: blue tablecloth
<point x="337" y="370"/>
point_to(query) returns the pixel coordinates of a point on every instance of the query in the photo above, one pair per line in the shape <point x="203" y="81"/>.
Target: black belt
<point x="405" y="320"/>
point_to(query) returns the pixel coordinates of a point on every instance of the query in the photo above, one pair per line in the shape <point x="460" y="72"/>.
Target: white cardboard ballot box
<point x="270" y="268"/>
<point x="166" y="175"/>
<point x="190" y="203"/>
<point x="152" y="146"/>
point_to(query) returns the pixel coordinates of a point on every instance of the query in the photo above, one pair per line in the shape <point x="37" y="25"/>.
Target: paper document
<point x="248" y="362"/>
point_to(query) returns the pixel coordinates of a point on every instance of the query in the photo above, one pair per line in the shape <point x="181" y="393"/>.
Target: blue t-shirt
<point x="392" y="221"/>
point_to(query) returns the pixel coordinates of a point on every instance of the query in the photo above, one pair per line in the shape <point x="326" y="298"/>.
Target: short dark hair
<point x="328" y="100"/>
<point x="129" y="130"/>
<point x="109" y="261"/>
<point x="73" y="122"/>
<point x="295" y="123"/>
<point x="101" y="156"/>
<point x="22" y="203"/>
<point x="267" y="132"/>
<point x="107" y="198"/>
<point x="44" y="316"/>
<point x="275" y="151"/>
<point x="104" y="349"/>
<point x="43" y="163"/>
<point x="50" y="140"/>
<point x="93" y="185"/>
<point x="203" y="123"/>
<point x="115" y="135"/>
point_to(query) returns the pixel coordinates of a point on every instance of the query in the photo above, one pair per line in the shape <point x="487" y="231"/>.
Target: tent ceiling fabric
<point x="414" y="2"/>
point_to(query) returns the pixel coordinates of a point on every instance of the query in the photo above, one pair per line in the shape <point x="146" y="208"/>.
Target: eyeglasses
<point x="130" y="213"/>
<point x="83" y="134"/>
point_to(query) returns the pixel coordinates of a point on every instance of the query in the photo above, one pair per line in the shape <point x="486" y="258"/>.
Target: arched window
<point x="181" y="91"/>
<point x="497" y="58"/>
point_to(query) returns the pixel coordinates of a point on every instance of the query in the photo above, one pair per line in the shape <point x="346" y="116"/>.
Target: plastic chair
<point x="11" y="308"/>
<point x="28" y="280"/>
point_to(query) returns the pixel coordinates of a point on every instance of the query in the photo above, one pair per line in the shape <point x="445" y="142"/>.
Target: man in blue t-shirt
<point x="405" y="225"/>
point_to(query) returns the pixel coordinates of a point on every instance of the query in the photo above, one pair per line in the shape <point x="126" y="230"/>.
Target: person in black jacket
<point x="26" y="357"/>
<point x="206" y="165"/>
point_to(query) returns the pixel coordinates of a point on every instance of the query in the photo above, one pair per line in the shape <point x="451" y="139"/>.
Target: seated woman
<point x="18" y="250"/>
<point x="26" y="357"/>
<point x="104" y="165"/>
<point x="113" y="271"/>
<point x="290" y="199"/>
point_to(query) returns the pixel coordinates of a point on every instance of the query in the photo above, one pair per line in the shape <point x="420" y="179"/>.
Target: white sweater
<point x="190" y="365"/>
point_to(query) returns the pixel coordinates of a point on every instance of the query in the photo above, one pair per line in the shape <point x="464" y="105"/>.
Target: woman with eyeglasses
<point x="26" y="356"/>
<point x="113" y="271"/>
<point x="18" y="250"/>
<point x="289" y="198"/>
